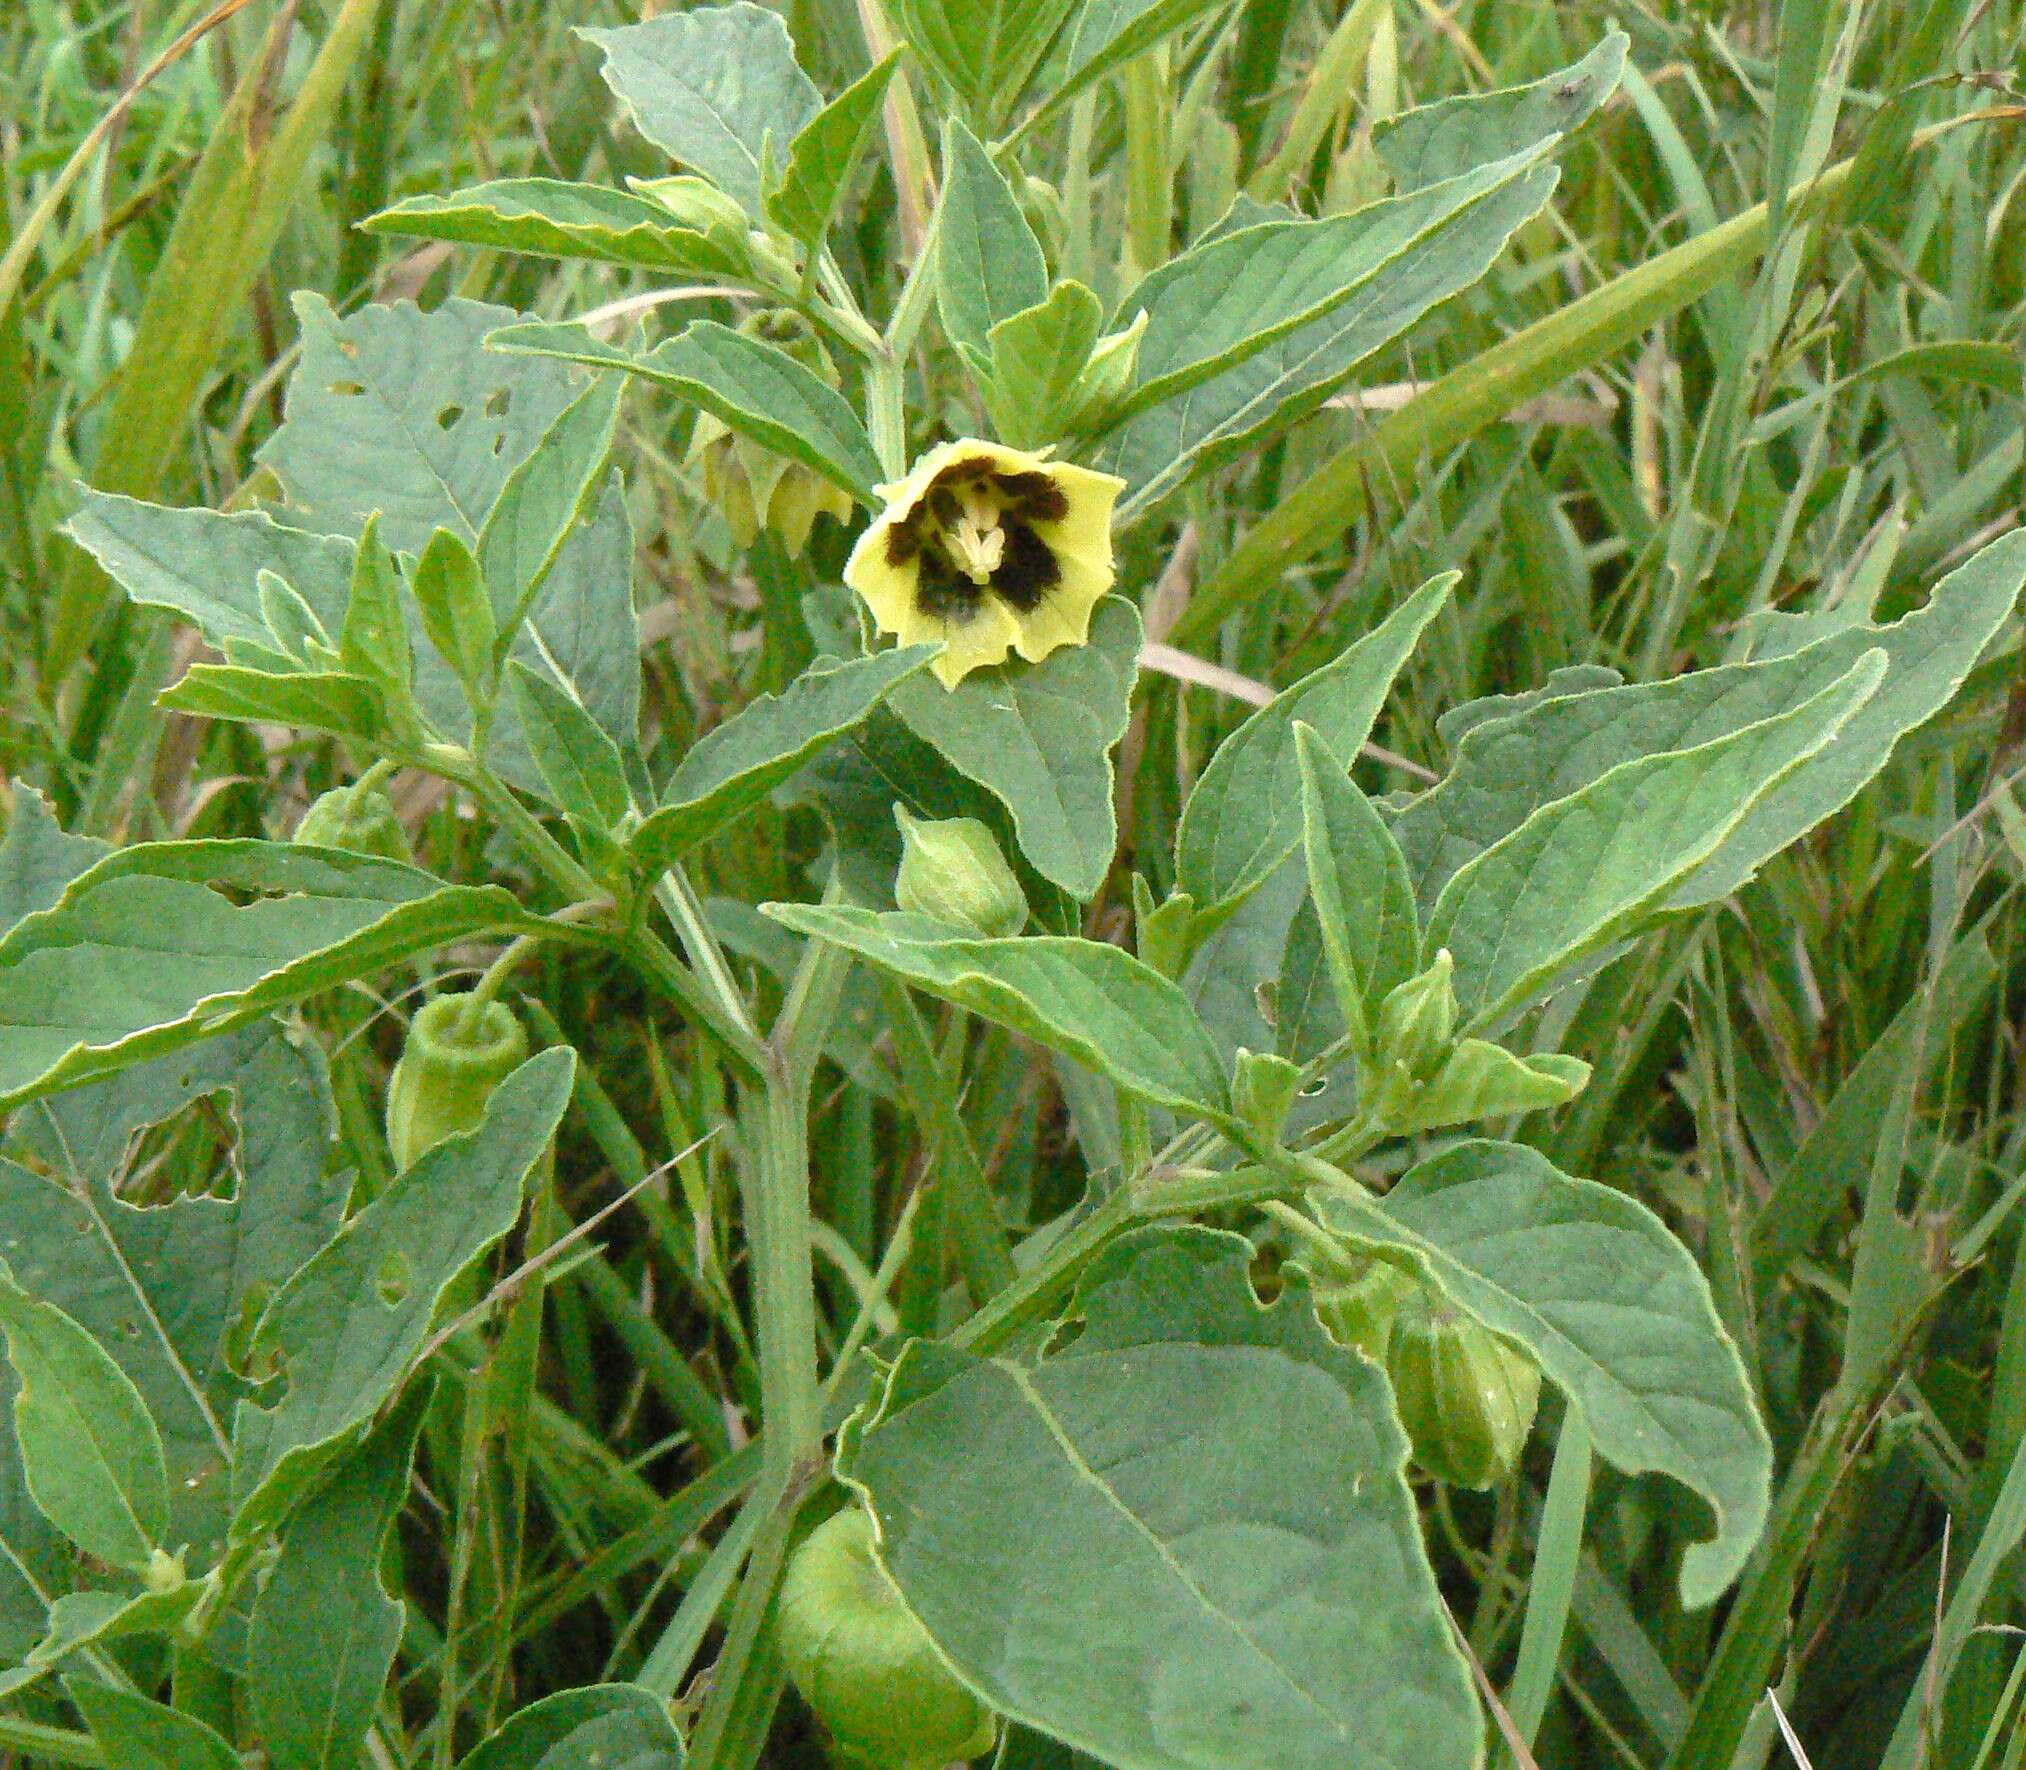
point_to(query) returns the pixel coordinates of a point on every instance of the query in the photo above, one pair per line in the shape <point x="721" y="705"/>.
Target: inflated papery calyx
<point x="863" y="1662"/>
<point x="454" y="1058"/>
<point x="1466" y="1397"/>
<point x="359" y="819"/>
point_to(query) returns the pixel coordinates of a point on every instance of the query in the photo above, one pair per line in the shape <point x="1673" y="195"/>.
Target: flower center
<point x="976" y="542"/>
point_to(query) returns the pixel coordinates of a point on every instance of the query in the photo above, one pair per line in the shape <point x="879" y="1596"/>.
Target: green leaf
<point x="457" y="613"/>
<point x="1510" y="766"/>
<point x="37" y="858"/>
<point x="1038" y="357"/>
<point x="1183" y="1540"/>
<point x="138" y="1734"/>
<point x="400" y="411"/>
<point x="92" y="1618"/>
<point x="709" y="87"/>
<point x="580" y="763"/>
<point x="1441" y="140"/>
<point x="1582" y="871"/>
<point x="1419" y="268"/>
<point x="325" y="701"/>
<point x="373" y="642"/>
<point x="346" y="1329"/>
<point x="167" y="1288"/>
<point x="1222" y="302"/>
<point x="1615" y="1310"/>
<point x="616" y="1724"/>
<point x="145" y="952"/>
<point x="732" y="768"/>
<point x="324" y="1629"/>
<point x="582" y="630"/>
<point x="1244" y="817"/>
<point x="985" y="51"/>
<point x="542" y="500"/>
<point x="1039" y="737"/>
<point x="1093" y="1002"/>
<point x="1480" y="1080"/>
<point x="1358" y="879"/>
<point x="825" y="153"/>
<point x="551" y="218"/>
<point x="206" y="565"/>
<point x="90" y="1449"/>
<point x="745" y="383"/>
<point x="989" y="265"/>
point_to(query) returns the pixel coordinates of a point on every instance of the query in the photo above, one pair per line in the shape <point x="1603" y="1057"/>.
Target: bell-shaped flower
<point x="990" y="550"/>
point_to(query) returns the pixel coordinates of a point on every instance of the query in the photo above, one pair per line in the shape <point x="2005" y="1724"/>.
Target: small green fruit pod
<point x="865" y="1664"/>
<point x="450" y="1065"/>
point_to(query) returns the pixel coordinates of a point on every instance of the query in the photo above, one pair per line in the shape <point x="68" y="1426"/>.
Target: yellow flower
<point x="989" y="550"/>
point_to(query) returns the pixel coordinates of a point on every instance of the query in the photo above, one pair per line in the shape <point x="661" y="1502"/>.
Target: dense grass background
<point x="1821" y="1086"/>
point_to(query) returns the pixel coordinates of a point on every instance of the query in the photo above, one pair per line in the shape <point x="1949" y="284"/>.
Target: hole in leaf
<point x="496" y="405"/>
<point x="395" y="1279"/>
<point x="1313" y="1086"/>
<point x="499" y="443"/>
<point x="347" y="389"/>
<point x="448" y="417"/>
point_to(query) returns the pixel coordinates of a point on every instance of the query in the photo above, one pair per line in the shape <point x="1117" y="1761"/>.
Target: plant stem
<point x="486" y="991"/>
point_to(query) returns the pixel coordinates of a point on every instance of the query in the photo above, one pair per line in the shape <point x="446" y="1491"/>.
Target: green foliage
<point x="1593" y="971"/>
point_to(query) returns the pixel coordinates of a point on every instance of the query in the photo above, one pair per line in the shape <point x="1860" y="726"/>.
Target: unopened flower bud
<point x="951" y="869"/>
<point x="1418" y="1019"/>
<point x="695" y="203"/>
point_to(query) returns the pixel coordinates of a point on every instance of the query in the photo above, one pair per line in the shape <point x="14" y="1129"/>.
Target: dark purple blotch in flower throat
<point x="1027" y="568"/>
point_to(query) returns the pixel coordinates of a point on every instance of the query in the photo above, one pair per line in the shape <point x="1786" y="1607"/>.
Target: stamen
<point x="977" y="542"/>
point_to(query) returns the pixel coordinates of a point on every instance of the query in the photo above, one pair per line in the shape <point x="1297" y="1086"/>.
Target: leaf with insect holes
<point x="1089" y="1001"/>
<point x="89" y="1448"/>
<point x="747" y="384"/>
<point x="144" y="952"/>
<point x="1182" y="1539"/>
<point x="709" y="87"/>
<point x="551" y="218"/>
<point x="345" y="1330"/>
<point x="1615" y="1310"/>
<point x="164" y="1289"/>
<point x="400" y="411"/>
<point x="1245" y="816"/>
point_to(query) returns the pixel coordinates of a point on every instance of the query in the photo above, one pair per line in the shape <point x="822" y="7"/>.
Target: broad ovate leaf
<point x="1182" y="1541"/>
<point x="345" y="1330"/>
<point x="1092" y="1002"/>
<point x="1612" y="1307"/>
<point x="1039" y="738"/>
<point x="709" y="86"/>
